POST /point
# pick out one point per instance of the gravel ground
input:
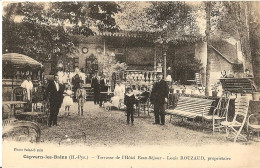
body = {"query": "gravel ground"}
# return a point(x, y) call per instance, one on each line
point(100, 128)
point(108, 128)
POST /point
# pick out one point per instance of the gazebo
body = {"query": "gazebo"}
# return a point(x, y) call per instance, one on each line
point(15, 68)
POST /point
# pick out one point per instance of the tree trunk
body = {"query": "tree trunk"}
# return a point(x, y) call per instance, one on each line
point(208, 68)
point(254, 30)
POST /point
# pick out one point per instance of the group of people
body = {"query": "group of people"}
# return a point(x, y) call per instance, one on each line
point(59, 93)
point(99, 85)
point(158, 97)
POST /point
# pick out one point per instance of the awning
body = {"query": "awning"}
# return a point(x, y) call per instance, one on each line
point(20, 61)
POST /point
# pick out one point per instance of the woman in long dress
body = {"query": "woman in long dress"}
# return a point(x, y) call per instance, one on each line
point(119, 94)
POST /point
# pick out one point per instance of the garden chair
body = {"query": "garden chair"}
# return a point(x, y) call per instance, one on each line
point(235, 127)
point(253, 124)
point(219, 113)
point(145, 105)
point(19, 94)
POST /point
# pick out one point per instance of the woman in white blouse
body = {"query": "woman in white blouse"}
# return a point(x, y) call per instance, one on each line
point(28, 85)
point(119, 94)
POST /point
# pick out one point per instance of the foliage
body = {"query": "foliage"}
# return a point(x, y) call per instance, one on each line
point(216, 86)
point(187, 64)
point(110, 65)
point(133, 16)
point(41, 30)
point(176, 18)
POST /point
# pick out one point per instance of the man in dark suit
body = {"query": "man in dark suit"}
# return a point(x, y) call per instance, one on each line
point(55, 94)
point(96, 87)
point(103, 88)
point(159, 97)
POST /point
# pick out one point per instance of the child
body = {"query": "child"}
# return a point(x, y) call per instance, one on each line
point(129, 102)
point(67, 100)
point(80, 96)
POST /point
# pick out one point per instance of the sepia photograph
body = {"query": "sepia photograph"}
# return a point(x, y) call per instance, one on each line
point(130, 84)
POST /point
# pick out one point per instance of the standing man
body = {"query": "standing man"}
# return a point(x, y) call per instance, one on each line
point(55, 94)
point(76, 84)
point(103, 88)
point(159, 98)
point(96, 88)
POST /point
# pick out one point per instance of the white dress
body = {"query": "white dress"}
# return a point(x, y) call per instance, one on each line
point(28, 85)
point(119, 94)
point(67, 100)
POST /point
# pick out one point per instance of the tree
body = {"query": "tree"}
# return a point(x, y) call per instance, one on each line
point(43, 29)
point(254, 34)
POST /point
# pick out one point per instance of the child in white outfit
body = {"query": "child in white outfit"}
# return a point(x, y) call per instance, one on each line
point(67, 100)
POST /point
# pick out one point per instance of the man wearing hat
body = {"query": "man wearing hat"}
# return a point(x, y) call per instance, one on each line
point(55, 94)
point(159, 97)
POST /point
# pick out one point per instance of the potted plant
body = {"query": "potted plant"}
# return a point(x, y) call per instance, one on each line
point(256, 93)
point(215, 89)
point(183, 89)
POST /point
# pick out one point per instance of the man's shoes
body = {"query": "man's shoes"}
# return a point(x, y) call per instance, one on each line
point(132, 123)
point(162, 124)
point(155, 123)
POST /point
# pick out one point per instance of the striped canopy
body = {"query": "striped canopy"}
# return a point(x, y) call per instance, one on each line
point(20, 61)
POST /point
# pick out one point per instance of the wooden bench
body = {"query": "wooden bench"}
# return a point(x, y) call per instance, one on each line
point(238, 85)
point(190, 107)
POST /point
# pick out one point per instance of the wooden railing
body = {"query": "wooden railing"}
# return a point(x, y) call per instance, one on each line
point(140, 77)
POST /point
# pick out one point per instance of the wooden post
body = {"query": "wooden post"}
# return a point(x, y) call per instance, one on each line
point(155, 58)
point(164, 66)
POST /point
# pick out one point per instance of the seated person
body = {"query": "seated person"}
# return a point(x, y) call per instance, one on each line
point(143, 97)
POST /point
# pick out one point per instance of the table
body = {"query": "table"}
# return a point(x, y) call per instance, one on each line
point(12, 106)
point(108, 95)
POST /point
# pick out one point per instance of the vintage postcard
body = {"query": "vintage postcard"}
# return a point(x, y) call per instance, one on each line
point(130, 84)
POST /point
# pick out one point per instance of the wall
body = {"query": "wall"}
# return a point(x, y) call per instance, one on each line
point(218, 64)
point(94, 45)
point(125, 51)
point(201, 54)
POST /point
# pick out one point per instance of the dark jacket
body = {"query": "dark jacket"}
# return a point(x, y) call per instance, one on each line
point(95, 84)
point(103, 87)
point(129, 101)
point(160, 91)
point(76, 82)
point(55, 97)
point(144, 96)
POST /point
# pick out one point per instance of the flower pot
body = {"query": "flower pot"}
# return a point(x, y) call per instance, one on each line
point(256, 95)
point(214, 93)
point(171, 90)
point(183, 91)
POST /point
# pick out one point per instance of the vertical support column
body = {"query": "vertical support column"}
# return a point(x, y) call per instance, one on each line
point(104, 46)
point(164, 66)
point(155, 57)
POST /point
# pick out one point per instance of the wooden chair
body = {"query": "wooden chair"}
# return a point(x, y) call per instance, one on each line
point(19, 94)
point(235, 127)
point(253, 124)
point(145, 105)
point(219, 113)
